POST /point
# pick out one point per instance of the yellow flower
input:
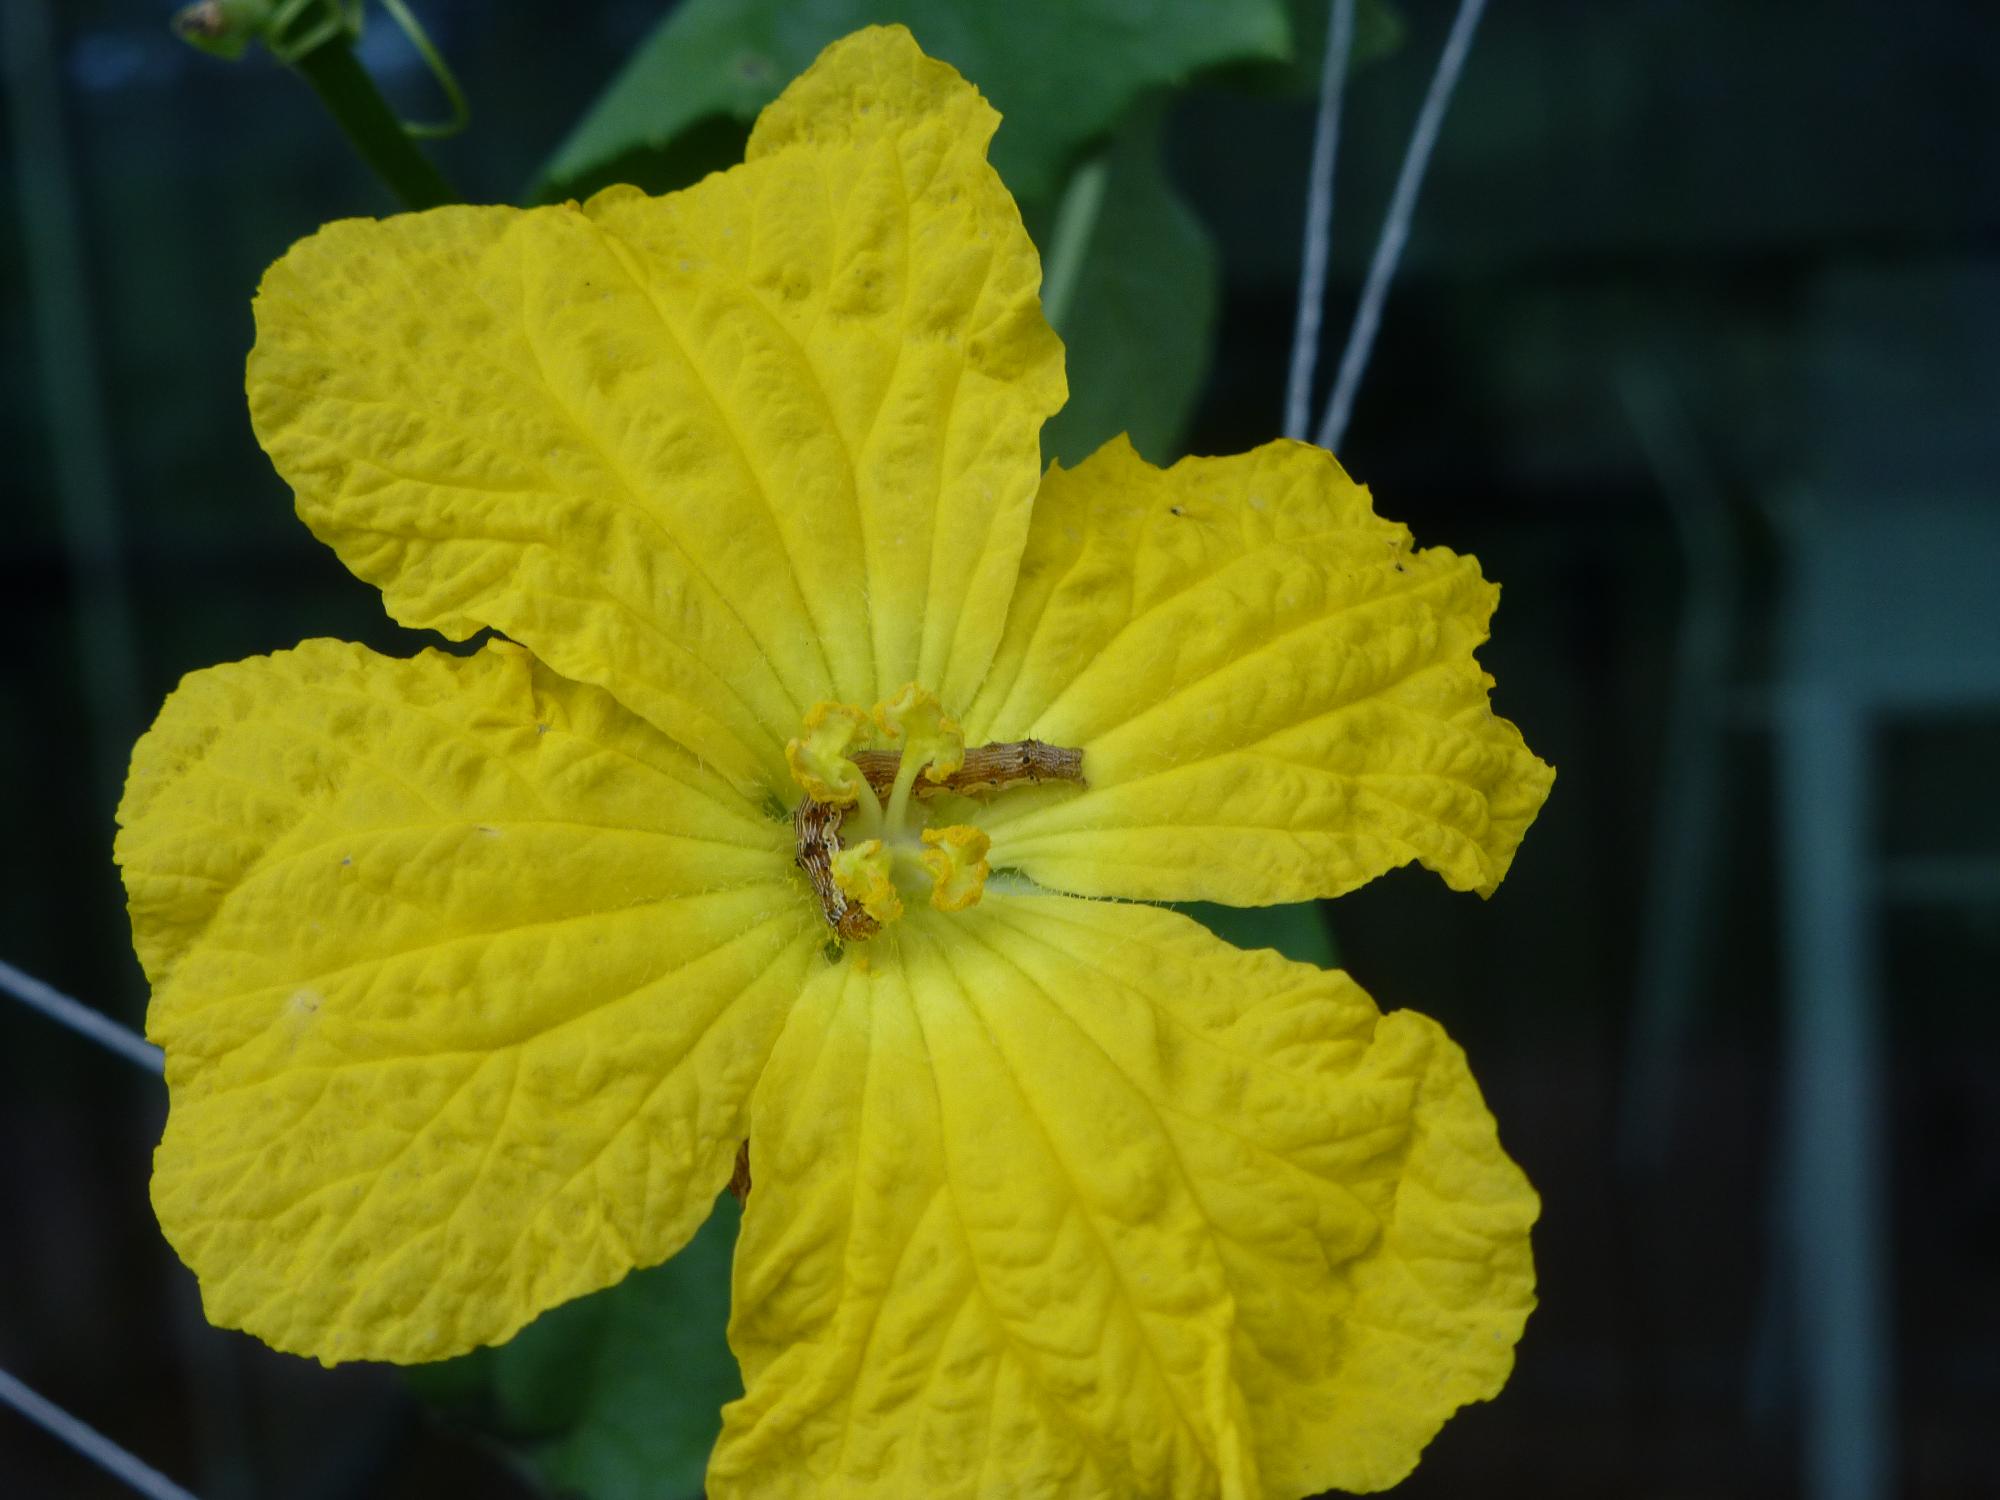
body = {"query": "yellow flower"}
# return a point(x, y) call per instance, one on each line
point(475, 971)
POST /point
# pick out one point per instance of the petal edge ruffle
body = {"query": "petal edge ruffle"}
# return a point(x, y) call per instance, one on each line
point(1276, 697)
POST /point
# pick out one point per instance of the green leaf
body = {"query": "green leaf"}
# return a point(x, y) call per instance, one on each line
point(617, 1396)
point(1299, 932)
point(1140, 323)
point(1061, 71)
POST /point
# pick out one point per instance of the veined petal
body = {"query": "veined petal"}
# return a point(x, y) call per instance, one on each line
point(464, 975)
point(1070, 1199)
point(1275, 696)
point(726, 453)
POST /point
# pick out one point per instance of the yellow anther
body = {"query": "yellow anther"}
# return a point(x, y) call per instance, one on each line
point(863, 874)
point(928, 737)
point(819, 759)
point(956, 859)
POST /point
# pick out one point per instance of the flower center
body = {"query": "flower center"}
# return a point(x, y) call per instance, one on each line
point(865, 839)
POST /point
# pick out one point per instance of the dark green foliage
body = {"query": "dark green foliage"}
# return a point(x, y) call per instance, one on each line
point(1140, 324)
point(617, 1396)
point(1062, 72)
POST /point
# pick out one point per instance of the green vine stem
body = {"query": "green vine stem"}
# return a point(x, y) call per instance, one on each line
point(358, 107)
point(317, 37)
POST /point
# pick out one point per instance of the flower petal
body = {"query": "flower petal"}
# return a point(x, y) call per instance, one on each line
point(1068, 1198)
point(1275, 696)
point(464, 975)
point(726, 453)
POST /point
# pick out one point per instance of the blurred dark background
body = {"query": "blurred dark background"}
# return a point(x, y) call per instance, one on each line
point(1697, 346)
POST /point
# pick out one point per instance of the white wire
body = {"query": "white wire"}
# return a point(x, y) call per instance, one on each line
point(1396, 227)
point(80, 1018)
point(1319, 219)
point(88, 1441)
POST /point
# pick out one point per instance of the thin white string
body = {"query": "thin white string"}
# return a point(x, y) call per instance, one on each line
point(80, 1018)
point(1396, 227)
point(1319, 219)
point(88, 1441)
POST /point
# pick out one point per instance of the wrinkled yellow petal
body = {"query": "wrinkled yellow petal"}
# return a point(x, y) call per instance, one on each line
point(1069, 1199)
point(1275, 696)
point(464, 975)
point(725, 453)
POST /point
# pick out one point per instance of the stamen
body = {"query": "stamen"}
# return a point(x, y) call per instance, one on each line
point(858, 825)
point(821, 760)
point(867, 816)
point(933, 745)
point(956, 859)
point(865, 874)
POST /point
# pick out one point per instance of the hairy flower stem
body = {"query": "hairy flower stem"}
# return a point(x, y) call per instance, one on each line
point(351, 97)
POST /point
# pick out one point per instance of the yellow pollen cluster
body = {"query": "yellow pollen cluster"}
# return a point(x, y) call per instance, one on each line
point(956, 859)
point(930, 738)
point(865, 873)
point(819, 758)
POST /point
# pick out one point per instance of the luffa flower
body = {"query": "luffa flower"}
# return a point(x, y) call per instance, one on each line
point(775, 817)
